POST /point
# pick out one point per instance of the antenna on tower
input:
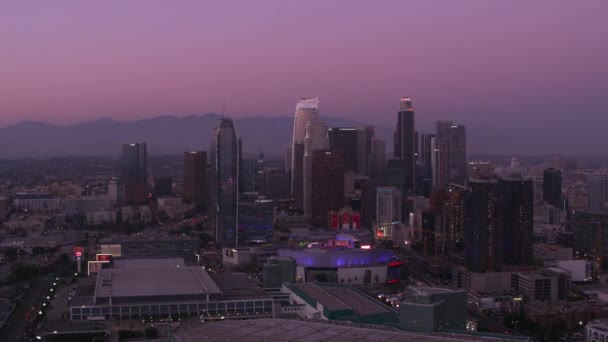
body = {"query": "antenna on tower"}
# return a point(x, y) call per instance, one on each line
point(224, 108)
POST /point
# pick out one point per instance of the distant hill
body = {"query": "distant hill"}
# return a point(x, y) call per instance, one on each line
point(173, 135)
point(164, 135)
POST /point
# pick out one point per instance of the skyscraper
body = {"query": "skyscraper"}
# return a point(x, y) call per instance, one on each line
point(598, 191)
point(483, 249)
point(135, 171)
point(328, 185)
point(195, 178)
point(405, 142)
point(345, 140)
point(365, 135)
point(516, 215)
point(225, 163)
point(316, 139)
point(389, 205)
point(378, 158)
point(454, 211)
point(440, 162)
point(552, 187)
point(307, 109)
point(456, 137)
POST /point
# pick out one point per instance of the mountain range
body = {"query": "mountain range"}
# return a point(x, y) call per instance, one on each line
point(169, 134)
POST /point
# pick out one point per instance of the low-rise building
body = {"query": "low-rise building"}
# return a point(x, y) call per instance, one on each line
point(430, 309)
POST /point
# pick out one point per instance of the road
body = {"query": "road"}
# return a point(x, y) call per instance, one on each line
point(18, 325)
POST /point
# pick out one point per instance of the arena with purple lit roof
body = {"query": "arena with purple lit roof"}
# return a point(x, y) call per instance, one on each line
point(341, 265)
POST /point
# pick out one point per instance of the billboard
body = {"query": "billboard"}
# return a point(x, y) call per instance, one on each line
point(356, 221)
point(78, 252)
point(334, 221)
point(104, 257)
point(346, 220)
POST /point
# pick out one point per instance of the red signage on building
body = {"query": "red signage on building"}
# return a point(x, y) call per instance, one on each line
point(356, 221)
point(345, 220)
point(334, 221)
point(78, 251)
point(104, 257)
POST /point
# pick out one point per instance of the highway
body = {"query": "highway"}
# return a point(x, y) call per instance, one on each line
point(19, 323)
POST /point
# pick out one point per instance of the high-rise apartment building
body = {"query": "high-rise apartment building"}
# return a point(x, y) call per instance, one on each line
point(454, 211)
point(405, 143)
point(440, 162)
point(195, 178)
point(483, 249)
point(225, 161)
point(307, 110)
point(456, 137)
point(516, 216)
point(345, 140)
point(552, 187)
point(135, 172)
point(389, 205)
point(328, 184)
point(316, 139)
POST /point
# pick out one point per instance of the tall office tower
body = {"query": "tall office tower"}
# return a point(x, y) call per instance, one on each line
point(195, 178)
point(516, 215)
point(135, 172)
point(389, 205)
point(345, 140)
point(306, 110)
point(454, 211)
point(440, 162)
point(248, 178)
point(365, 135)
point(378, 158)
point(590, 235)
point(225, 164)
point(457, 140)
point(328, 185)
point(483, 249)
point(598, 191)
point(405, 142)
point(552, 187)
point(316, 139)
point(424, 148)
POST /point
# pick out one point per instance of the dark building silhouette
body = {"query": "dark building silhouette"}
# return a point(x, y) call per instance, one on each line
point(327, 184)
point(405, 143)
point(516, 217)
point(456, 138)
point(365, 135)
point(483, 249)
point(225, 159)
point(276, 184)
point(135, 172)
point(163, 186)
point(378, 158)
point(552, 187)
point(590, 235)
point(195, 178)
point(345, 140)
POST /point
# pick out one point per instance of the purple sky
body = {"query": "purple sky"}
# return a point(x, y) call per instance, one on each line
point(482, 62)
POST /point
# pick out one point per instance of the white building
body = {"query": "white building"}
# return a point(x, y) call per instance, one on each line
point(596, 331)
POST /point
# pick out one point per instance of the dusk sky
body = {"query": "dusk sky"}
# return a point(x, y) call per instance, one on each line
point(501, 63)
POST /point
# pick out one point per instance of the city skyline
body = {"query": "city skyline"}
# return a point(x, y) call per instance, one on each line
point(483, 63)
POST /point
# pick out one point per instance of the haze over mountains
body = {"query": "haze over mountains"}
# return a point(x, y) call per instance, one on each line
point(173, 135)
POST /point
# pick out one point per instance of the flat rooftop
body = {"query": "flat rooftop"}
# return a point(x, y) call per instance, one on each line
point(165, 281)
point(321, 296)
point(148, 263)
point(360, 304)
point(292, 330)
point(238, 286)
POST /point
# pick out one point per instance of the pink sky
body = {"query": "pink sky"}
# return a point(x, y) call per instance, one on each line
point(487, 61)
